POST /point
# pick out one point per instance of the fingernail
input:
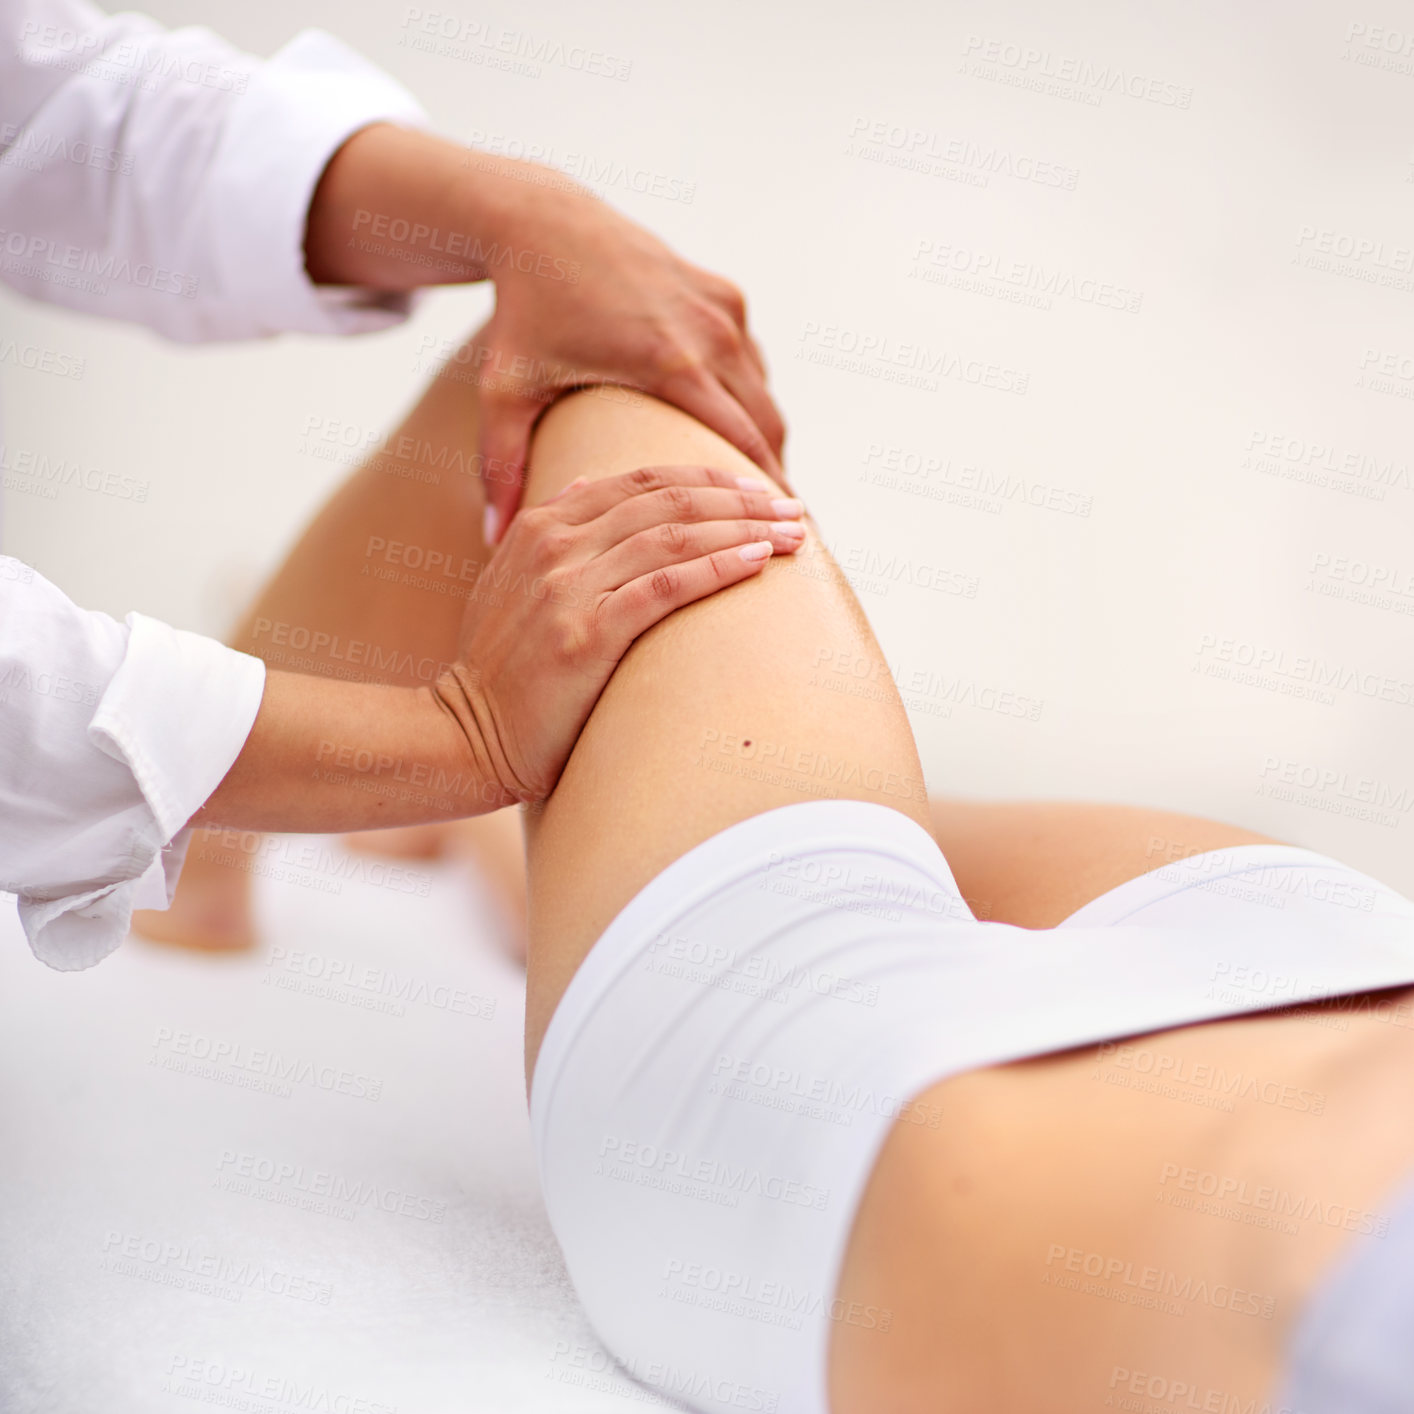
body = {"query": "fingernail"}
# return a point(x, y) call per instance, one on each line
point(758, 550)
point(751, 483)
point(787, 507)
point(565, 490)
point(488, 525)
point(791, 529)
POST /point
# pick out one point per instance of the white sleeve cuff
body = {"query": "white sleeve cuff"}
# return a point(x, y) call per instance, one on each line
point(301, 107)
point(176, 714)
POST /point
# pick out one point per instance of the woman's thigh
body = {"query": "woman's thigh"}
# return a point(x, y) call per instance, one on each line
point(713, 717)
point(1034, 863)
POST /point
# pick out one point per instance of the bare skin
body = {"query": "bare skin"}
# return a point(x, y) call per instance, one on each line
point(386, 591)
point(1047, 1168)
point(332, 583)
point(968, 1235)
point(582, 294)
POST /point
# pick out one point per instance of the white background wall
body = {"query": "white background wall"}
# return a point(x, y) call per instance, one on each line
point(1290, 119)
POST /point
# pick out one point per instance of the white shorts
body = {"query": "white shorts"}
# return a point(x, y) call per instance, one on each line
point(723, 1069)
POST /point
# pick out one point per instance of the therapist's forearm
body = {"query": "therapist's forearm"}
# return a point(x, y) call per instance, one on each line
point(325, 755)
point(397, 208)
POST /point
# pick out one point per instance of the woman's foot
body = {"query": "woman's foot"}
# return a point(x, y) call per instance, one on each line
point(211, 910)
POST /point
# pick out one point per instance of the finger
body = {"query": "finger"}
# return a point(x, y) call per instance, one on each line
point(757, 357)
point(747, 384)
point(594, 499)
point(674, 543)
point(638, 605)
point(701, 393)
point(685, 506)
point(504, 444)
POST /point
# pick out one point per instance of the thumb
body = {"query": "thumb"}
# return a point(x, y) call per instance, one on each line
point(503, 448)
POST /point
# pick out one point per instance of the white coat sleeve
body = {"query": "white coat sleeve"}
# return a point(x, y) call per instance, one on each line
point(164, 177)
point(111, 737)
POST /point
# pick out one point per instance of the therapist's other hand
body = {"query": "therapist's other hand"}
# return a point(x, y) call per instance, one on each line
point(573, 583)
point(583, 295)
point(603, 301)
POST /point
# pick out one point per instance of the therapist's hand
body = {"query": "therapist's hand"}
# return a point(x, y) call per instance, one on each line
point(570, 587)
point(583, 295)
point(627, 311)
point(572, 584)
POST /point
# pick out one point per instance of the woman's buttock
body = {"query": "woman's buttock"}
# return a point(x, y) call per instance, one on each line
point(786, 1001)
point(1146, 1214)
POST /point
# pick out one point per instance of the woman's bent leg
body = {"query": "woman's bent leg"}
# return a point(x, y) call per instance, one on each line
point(713, 717)
point(1034, 863)
point(373, 590)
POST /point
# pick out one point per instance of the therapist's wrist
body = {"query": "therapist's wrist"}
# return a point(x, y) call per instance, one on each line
point(508, 199)
point(328, 756)
point(396, 209)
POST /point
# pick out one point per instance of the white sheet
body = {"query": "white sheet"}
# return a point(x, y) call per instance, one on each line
point(120, 1176)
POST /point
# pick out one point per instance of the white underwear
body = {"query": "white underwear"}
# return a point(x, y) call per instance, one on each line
point(723, 1069)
